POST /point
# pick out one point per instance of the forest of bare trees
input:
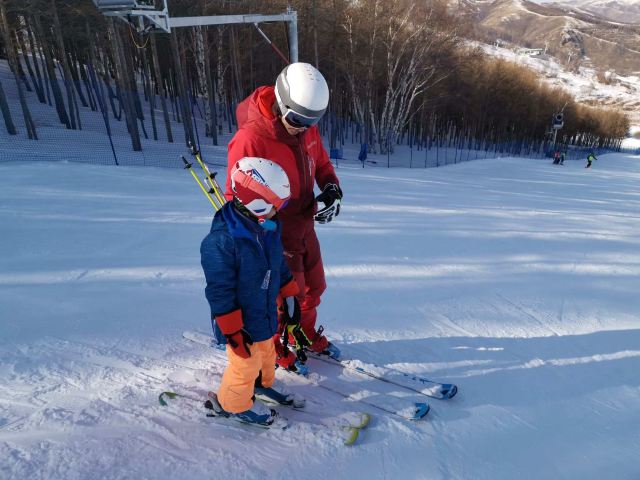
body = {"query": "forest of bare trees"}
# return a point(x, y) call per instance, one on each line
point(399, 70)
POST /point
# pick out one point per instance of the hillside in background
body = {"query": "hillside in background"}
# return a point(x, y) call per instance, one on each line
point(623, 11)
point(586, 85)
point(596, 60)
point(576, 35)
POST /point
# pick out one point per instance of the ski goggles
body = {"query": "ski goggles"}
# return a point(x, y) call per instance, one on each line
point(268, 197)
point(297, 120)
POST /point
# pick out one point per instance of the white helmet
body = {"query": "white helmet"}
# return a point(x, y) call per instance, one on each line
point(302, 94)
point(260, 185)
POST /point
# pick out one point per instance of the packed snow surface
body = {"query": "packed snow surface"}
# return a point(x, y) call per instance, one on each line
point(516, 279)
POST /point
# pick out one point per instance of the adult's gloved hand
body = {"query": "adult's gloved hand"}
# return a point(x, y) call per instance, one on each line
point(328, 203)
point(290, 316)
point(239, 342)
point(290, 311)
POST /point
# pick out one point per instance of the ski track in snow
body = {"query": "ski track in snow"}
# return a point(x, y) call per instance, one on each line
point(512, 278)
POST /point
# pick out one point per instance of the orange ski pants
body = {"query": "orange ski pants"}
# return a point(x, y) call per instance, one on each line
point(236, 389)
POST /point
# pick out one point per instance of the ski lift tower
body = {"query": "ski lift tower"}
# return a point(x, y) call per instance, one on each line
point(149, 16)
point(558, 123)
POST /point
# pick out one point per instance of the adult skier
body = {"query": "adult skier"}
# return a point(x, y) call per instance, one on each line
point(245, 270)
point(279, 122)
point(590, 158)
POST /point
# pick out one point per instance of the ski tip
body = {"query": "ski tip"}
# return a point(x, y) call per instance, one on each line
point(352, 434)
point(163, 395)
point(449, 391)
point(364, 421)
point(420, 411)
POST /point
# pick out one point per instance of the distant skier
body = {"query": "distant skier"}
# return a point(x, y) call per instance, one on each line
point(556, 157)
point(562, 157)
point(279, 122)
point(590, 158)
point(245, 270)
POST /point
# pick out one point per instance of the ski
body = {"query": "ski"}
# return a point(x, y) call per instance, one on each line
point(392, 376)
point(349, 422)
point(165, 397)
point(413, 411)
point(347, 425)
point(401, 379)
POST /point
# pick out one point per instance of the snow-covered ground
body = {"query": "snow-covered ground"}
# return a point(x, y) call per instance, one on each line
point(516, 279)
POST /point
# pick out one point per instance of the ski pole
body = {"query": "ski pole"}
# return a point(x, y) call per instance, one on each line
point(188, 166)
point(211, 177)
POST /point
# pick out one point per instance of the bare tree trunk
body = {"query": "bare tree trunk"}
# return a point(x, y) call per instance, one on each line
point(220, 73)
point(75, 76)
point(315, 33)
point(127, 104)
point(20, 71)
point(182, 91)
point(87, 85)
point(6, 113)
point(150, 94)
point(37, 81)
point(41, 83)
point(62, 58)
point(235, 63)
point(61, 108)
point(161, 89)
point(13, 62)
point(37, 52)
point(204, 69)
point(213, 127)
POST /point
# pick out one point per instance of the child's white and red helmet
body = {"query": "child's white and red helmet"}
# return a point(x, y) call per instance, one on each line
point(260, 185)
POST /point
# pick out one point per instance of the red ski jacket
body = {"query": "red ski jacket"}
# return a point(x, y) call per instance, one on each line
point(303, 157)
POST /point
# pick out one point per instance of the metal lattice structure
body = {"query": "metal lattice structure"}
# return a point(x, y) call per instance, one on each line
point(142, 14)
point(153, 16)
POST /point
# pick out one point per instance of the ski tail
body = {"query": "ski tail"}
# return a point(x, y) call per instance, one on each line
point(421, 410)
point(408, 381)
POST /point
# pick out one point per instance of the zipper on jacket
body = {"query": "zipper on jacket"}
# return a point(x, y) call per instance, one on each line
point(305, 166)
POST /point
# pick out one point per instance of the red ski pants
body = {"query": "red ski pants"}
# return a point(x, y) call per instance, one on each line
point(305, 263)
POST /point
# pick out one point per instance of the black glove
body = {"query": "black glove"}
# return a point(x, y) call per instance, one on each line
point(290, 316)
point(239, 342)
point(328, 203)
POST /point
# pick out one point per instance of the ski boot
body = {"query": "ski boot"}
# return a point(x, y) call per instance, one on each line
point(322, 346)
point(279, 394)
point(259, 414)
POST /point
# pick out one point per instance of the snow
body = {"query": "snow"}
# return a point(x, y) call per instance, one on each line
point(513, 278)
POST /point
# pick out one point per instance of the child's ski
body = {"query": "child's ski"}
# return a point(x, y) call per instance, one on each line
point(412, 411)
point(407, 381)
point(347, 425)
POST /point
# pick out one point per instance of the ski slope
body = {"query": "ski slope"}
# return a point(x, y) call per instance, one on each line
point(513, 278)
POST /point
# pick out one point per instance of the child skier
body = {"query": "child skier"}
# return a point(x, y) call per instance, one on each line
point(243, 262)
point(590, 158)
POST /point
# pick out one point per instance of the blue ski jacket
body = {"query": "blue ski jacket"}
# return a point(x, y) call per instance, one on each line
point(245, 269)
